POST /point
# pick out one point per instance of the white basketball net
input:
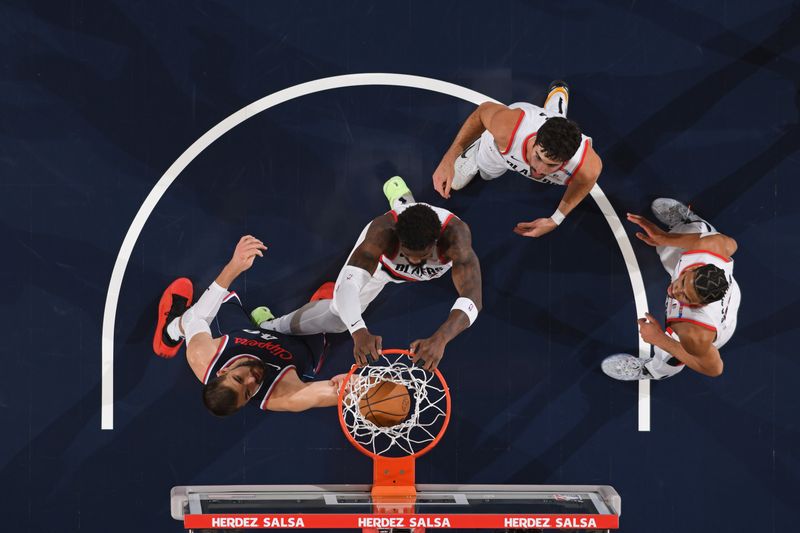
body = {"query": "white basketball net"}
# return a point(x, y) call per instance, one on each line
point(426, 416)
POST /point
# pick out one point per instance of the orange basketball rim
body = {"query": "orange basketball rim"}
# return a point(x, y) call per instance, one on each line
point(393, 489)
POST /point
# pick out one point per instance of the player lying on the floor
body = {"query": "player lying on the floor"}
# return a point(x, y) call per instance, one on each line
point(242, 363)
point(412, 242)
point(538, 142)
point(702, 299)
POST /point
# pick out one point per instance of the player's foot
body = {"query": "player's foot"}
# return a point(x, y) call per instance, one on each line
point(466, 167)
point(672, 212)
point(397, 192)
point(260, 315)
point(174, 302)
point(325, 292)
point(557, 97)
point(625, 367)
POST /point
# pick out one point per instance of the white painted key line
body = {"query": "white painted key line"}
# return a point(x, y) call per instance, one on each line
point(290, 93)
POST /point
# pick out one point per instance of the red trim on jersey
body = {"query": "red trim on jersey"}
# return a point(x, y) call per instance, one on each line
point(446, 222)
point(690, 321)
point(230, 295)
point(690, 252)
point(580, 163)
point(394, 215)
point(282, 373)
point(524, 151)
point(222, 343)
point(514, 133)
point(394, 272)
point(684, 269)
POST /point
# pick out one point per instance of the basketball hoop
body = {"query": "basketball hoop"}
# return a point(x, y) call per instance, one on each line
point(395, 448)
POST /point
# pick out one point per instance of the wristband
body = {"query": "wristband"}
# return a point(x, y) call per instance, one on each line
point(468, 307)
point(557, 217)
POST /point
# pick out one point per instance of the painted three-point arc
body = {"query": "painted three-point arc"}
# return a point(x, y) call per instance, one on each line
point(285, 95)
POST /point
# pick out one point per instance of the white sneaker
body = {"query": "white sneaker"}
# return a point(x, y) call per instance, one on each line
point(625, 367)
point(672, 212)
point(466, 167)
point(557, 98)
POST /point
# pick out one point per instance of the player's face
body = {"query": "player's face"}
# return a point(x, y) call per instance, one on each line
point(417, 257)
point(244, 378)
point(541, 165)
point(682, 289)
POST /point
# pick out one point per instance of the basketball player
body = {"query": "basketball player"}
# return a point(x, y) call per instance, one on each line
point(702, 299)
point(412, 242)
point(245, 364)
point(539, 143)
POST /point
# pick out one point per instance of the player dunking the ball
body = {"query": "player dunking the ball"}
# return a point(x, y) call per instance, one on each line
point(412, 242)
point(241, 363)
point(702, 298)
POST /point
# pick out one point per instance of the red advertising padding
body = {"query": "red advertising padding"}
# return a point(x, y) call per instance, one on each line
point(440, 521)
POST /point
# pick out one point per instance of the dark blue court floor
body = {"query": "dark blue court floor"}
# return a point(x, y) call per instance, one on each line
point(693, 100)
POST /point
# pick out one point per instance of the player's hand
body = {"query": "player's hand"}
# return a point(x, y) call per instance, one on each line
point(653, 235)
point(245, 253)
point(366, 347)
point(443, 177)
point(427, 352)
point(650, 330)
point(337, 381)
point(537, 228)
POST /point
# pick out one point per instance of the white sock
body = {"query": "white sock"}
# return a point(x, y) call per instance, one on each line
point(174, 330)
point(406, 199)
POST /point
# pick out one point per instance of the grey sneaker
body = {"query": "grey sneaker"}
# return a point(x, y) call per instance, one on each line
point(625, 367)
point(672, 212)
point(466, 166)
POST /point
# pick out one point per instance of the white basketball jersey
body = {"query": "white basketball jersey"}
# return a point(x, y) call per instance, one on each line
point(494, 160)
point(397, 269)
point(719, 316)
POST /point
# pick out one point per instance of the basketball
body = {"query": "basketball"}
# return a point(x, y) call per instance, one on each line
point(385, 404)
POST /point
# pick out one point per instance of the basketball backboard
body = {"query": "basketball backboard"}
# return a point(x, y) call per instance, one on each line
point(498, 507)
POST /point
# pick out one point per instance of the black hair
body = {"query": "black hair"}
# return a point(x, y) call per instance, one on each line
point(418, 227)
point(560, 138)
point(710, 283)
point(219, 399)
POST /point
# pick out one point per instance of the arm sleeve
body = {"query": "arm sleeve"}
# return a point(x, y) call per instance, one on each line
point(346, 296)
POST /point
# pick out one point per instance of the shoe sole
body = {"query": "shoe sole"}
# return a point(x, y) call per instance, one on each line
point(401, 190)
point(182, 287)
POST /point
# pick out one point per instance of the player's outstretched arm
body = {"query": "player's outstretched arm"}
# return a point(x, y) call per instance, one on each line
point(467, 280)
point(244, 254)
point(578, 188)
point(293, 395)
point(655, 236)
point(496, 118)
point(695, 348)
point(194, 323)
point(353, 277)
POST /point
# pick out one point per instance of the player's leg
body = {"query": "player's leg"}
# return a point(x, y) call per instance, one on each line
point(557, 98)
point(663, 365)
point(313, 317)
point(679, 218)
point(626, 367)
point(466, 166)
